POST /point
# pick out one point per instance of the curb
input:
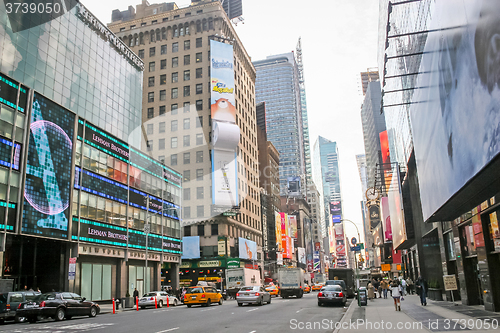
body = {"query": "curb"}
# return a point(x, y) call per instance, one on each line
point(344, 317)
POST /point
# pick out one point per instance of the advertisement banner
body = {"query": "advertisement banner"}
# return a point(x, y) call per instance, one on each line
point(190, 247)
point(279, 258)
point(293, 186)
point(48, 171)
point(458, 74)
point(288, 247)
point(336, 219)
point(374, 215)
point(339, 231)
point(397, 220)
point(335, 207)
point(331, 239)
point(247, 248)
point(222, 82)
point(341, 252)
point(233, 263)
point(317, 266)
point(317, 246)
point(293, 226)
point(278, 230)
point(386, 217)
point(301, 255)
point(221, 246)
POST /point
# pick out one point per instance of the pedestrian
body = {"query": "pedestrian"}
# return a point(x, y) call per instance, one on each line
point(403, 286)
point(135, 295)
point(396, 295)
point(409, 283)
point(371, 292)
point(385, 288)
point(423, 288)
point(183, 293)
point(379, 289)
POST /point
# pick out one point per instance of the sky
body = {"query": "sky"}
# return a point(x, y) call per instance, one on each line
point(339, 40)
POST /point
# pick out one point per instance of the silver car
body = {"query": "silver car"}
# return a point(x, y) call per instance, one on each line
point(161, 299)
point(253, 294)
point(332, 294)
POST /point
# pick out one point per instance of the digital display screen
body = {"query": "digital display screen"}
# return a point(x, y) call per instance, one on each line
point(5, 151)
point(48, 171)
point(105, 141)
point(102, 186)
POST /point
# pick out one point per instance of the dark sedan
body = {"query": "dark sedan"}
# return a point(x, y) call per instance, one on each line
point(57, 305)
point(331, 294)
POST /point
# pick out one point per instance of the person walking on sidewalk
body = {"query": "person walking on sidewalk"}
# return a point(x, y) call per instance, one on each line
point(409, 286)
point(135, 295)
point(403, 286)
point(385, 287)
point(396, 295)
point(422, 288)
point(371, 292)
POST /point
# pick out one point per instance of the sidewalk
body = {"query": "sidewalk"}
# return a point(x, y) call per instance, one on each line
point(380, 316)
point(108, 308)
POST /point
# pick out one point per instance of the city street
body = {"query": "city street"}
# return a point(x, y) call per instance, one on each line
point(282, 315)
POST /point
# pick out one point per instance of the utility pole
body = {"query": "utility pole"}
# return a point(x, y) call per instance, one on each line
point(146, 232)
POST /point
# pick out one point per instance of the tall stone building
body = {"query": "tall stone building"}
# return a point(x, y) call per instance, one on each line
point(175, 45)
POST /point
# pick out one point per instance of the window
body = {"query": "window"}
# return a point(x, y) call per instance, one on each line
point(176, 30)
point(163, 95)
point(199, 174)
point(187, 158)
point(154, 21)
point(200, 211)
point(161, 158)
point(162, 110)
point(199, 106)
point(173, 159)
point(173, 142)
point(214, 228)
point(199, 155)
point(199, 193)
point(151, 113)
point(187, 91)
point(152, 51)
point(199, 73)
point(152, 36)
point(161, 144)
point(149, 129)
point(151, 97)
point(186, 175)
point(163, 79)
point(163, 64)
point(122, 29)
point(199, 141)
point(187, 230)
point(199, 57)
point(199, 42)
point(151, 81)
point(161, 127)
point(201, 230)
point(175, 93)
point(187, 75)
point(186, 194)
point(163, 49)
point(175, 62)
point(186, 107)
point(173, 125)
point(175, 77)
point(165, 19)
point(199, 88)
point(152, 66)
point(181, 31)
point(186, 140)
point(187, 123)
point(175, 47)
point(187, 44)
point(132, 27)
point(141, 54)
point(173, 108)
point(149, 145)
point(187, 212)
point(187, 59)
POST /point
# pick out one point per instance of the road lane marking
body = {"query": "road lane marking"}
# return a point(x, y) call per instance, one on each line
point(169, 330)
point(253, 331)
point(252, 310)
point(299, 310)
point(207, 309)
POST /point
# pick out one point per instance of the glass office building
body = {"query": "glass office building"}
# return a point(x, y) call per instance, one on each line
point(80, 207)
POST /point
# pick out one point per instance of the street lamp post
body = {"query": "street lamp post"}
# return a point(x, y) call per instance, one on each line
point(146, 232)
point(355, 263)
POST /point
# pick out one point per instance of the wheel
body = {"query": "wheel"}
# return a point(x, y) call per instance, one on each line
point(209, 302)
point(160, 304)
point(60, 313)
point(188, 305)
point(93, 312)
point(175, 302)
point(269, 300)
point(261, 301)
point(17, 319)
point(240, 304)
point(32, 319)
point(220, 301)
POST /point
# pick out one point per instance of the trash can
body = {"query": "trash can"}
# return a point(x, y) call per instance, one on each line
point(363, 296)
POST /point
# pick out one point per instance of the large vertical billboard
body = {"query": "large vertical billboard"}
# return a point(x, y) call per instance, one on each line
point(293, 226)
point(278, 230)
point(386, 218)
point(455, 110)
point(395, 201)
point(225, 132)
point(48, 171)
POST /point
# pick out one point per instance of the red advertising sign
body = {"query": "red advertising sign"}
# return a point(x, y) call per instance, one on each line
point(340, 250)
point(317, 246)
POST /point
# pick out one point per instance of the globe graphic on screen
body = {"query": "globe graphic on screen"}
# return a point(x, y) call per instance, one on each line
point(54, 148)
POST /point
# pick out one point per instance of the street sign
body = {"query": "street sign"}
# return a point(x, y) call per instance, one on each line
point(362, 245)
point(354, 241)
point(147, 228)
point(72, 269)
point(385, 267)
point(450, 282)
point(355, 248)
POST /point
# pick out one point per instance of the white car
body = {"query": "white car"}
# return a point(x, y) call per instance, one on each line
point(161, 299)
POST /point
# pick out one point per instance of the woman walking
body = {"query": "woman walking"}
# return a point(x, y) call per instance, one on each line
point(396, 295)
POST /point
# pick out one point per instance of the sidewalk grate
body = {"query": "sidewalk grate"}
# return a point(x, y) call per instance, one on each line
point(359, 314)
point(429, 319)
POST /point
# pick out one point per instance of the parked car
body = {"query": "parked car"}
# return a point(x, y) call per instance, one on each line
point(332, 294)
point(337, 283)
point(316, 287)
point(203, 295)
point(9, 302)
point(307, 288)
point(273, 290)
point(253, 294)
point(161, 299)
point(57, 305)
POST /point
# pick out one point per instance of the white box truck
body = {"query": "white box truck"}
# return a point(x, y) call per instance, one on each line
point(239, 277)
point(291, 282)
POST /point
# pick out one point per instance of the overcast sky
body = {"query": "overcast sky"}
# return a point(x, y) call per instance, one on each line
point(339, 40)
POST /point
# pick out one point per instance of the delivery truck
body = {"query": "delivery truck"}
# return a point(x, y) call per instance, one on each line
point(239, 277)
point(345, 274)
point(291, 282)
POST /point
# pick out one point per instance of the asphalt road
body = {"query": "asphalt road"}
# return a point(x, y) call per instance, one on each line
point(282, 315)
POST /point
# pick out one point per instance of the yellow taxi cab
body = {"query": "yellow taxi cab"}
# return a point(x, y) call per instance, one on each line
point(317, 286)
point(202, 295)
point(273, 290)
point(307, 288)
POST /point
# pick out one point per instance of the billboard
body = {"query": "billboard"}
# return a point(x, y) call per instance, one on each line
point(248, 249)
point(397, 222)
point(301, 255)
point(331, 239)
point(386, 217)
point(336, 219)
point(374, 215)
point(191, 247)
point(288, 247)
point(454, 113)
point(278, 230)
point(317, 266)
point(48, 170)
point(225, 132)
point(341, 249)
point(293, 226)
point(293, 185)
point(339, 231)
point(335, 207)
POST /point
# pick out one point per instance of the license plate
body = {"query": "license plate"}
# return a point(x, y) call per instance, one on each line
point(193, 297)
point(330, 296)
point(246, 294)
point(27, 306)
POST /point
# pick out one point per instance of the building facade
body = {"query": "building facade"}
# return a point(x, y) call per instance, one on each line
point(75, 181)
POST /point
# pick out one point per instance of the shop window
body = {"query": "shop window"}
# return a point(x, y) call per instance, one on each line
point(201, 230)
point(96, 281)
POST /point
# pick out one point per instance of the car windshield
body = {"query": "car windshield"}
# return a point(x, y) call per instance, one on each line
point(331, 288)
point(249, 288)
point(194, 290)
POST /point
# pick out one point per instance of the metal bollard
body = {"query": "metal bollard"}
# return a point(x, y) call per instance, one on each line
point(137, 303)
point(113, 306)
point(156, 303)
point(167, 301)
